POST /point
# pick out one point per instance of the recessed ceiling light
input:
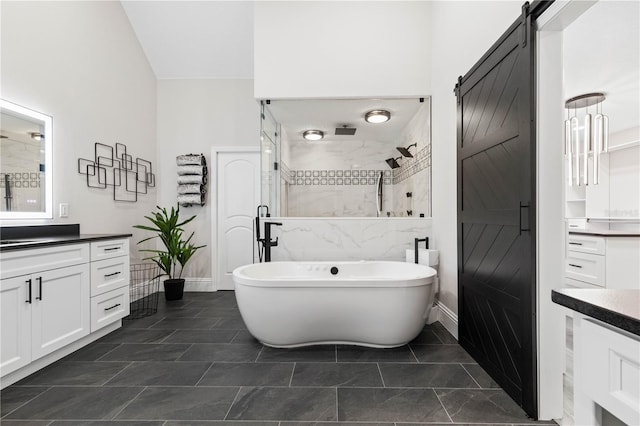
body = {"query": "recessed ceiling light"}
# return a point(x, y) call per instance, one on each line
point(313, 135)
point(377, 116)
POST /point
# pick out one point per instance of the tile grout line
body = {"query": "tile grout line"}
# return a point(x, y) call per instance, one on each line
point(292, 372)
point(204, 374)
point(472, 378)
point(163, 340)
point(442, 405)
point(337, 411)
point(118, 373)
point(259, 353)
point(414, 354)
point(380, 372)
point(232, 402)
point(128, 403)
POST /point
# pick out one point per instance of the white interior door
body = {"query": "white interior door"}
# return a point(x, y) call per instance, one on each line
point(238, 196)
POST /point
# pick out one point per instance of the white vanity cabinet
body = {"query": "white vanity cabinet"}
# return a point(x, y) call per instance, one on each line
point(109, 282)
point(46, 309)
point(58, 298)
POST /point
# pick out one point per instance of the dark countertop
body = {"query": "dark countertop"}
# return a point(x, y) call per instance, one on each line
point(620, 308)
point(30, 243)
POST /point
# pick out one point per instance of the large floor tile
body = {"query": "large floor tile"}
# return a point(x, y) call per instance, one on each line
point(91, 352)
point(225, 352)
point(427, 337)
point(248, 374)
point(364, 354)
point(302, 404)
point(146, 352)
point(441, 353)
point(186, 323)
point(442, 333)
point(230, 323)
point(390, 405)
point(180, 403)
point(136, 335)
point(243, 336)
point(220, 423)
point(426, 375)
point(25, 422)
point(144, 322)
point(480, 376)
point(334, 424)
point(76, 403)
point(219, 312)
point(75, 373)
point(108, 423)
point(320, 353)
point(492, 405)
point(201, 336)
point(336, 375)
point(160, 373)
point(15, 396)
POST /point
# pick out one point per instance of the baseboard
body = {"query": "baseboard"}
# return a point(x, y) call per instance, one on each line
point(446, 317)
point(196, 284)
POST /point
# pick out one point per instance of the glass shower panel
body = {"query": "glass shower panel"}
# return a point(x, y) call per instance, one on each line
point(270, 148)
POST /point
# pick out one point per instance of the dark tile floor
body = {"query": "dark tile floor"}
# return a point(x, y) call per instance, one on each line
point(194, 363)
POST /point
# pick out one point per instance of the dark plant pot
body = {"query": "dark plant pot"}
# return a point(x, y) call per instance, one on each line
point(173, 288)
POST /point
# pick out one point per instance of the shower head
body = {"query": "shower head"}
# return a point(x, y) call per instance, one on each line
point(405, 151)
point(393, 162)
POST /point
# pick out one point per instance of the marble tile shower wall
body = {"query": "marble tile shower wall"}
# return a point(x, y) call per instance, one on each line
point(347, 238)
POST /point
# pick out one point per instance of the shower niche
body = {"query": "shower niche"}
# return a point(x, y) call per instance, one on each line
point(350, 167)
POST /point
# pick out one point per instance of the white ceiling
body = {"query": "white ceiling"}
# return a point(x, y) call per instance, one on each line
point(195, 39)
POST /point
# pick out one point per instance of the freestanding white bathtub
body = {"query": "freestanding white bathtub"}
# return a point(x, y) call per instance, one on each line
point(369, 303)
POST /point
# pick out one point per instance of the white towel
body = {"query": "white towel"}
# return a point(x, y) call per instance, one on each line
point(192, 188)
point(191, 160)
point(185, 179)
point(192, 170)
point(186, 200)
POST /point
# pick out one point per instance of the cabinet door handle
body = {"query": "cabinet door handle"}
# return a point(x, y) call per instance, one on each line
point(112, 307)
point(112, 248)
point(575, 244)
point(29, 282)
point(575, 266)
point(39, 279)
point(111, 274)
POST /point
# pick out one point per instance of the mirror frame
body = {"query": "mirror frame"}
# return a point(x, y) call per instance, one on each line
point(48, 161)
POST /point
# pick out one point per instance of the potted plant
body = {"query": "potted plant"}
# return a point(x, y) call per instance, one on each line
point(177, 250)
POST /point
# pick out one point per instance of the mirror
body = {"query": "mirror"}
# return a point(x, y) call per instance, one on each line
point(355, 167)
point(26, 163)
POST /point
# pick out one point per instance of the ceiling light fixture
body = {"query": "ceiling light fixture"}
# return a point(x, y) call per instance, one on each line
point(377, 116)
point(313, 135)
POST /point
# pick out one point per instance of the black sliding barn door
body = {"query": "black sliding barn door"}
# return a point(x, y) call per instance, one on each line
point(496, 194)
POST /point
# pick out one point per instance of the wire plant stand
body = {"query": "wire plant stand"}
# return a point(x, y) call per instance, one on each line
point(143, 289)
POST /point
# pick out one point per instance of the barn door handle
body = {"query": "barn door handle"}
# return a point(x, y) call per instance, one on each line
point(520, 229)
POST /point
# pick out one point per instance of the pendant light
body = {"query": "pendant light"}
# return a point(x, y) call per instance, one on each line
point(594, 138)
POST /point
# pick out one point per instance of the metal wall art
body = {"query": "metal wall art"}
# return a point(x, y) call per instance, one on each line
point(115, 168)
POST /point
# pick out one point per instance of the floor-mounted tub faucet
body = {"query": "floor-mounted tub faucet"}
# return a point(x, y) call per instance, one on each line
point(267, 242)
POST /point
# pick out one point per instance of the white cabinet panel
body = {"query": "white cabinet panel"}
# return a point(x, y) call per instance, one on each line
point(109, 248)
point(15, 323)
point(109, 307)
point(623, 262)
point(29, 261)
point(60, 310)
point(585, 267)
point(109, 274)
point(586, 244)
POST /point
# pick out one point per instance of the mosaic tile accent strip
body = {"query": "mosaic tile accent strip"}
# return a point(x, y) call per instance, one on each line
point(411, 166)
point(21, 180)
point(338, 177)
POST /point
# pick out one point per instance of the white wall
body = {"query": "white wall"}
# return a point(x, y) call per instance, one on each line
point(193, 116)
point(462, 31)
point(341, 49)
point(81, 63)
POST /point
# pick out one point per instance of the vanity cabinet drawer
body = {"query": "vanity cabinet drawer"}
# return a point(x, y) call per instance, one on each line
point(109, 274)
point(108, 249)
point(109, 307)
point(585, 267)
point(28, 261)
point(586, 244)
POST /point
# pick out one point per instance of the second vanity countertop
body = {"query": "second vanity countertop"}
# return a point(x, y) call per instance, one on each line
point(31, 243)
point(619, 308)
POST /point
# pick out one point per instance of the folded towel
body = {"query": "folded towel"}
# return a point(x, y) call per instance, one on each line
point(192, 170)
point(191, 160)
point(191, 188)
point(199, 179)
point(186, 200)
